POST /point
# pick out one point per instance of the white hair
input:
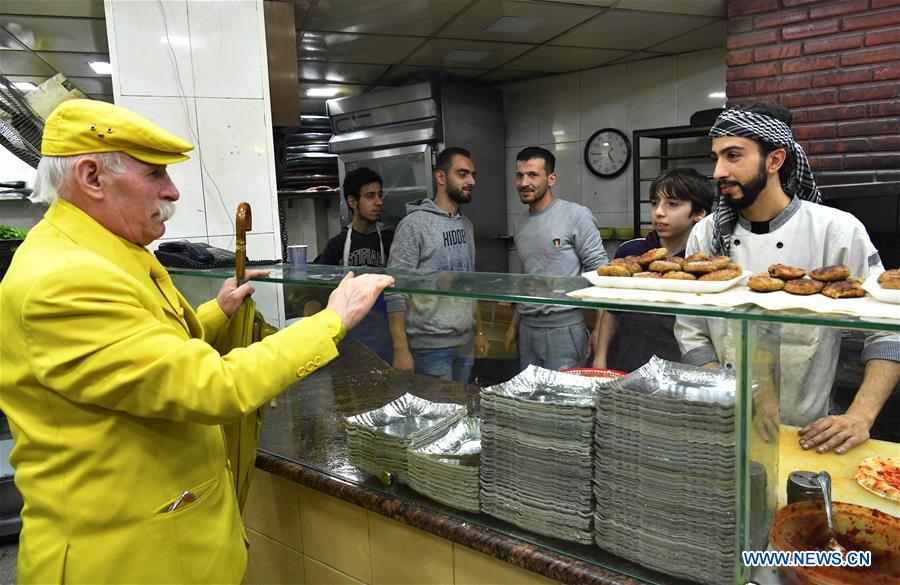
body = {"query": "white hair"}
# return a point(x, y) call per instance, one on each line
point(55, 172)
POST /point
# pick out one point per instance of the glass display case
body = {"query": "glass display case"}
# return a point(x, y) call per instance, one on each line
point(683, 473)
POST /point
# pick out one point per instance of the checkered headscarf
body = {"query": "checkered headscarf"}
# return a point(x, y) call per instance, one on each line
point(768, 130)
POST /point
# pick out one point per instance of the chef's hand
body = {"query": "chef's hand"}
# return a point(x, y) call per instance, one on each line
point(403, 361)
point(482, 346)
point(355, 295)
point(231, 295)
point(838, 432)
point(765, 416)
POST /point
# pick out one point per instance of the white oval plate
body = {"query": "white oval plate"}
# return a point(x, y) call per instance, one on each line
point(885, 295)
point(665, 284)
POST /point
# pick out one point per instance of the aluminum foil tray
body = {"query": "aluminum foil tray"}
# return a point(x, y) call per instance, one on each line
point(536, 384)
point(408, 416)
point(460, 446)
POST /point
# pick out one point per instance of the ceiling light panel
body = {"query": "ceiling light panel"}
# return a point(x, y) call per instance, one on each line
point(514, 24)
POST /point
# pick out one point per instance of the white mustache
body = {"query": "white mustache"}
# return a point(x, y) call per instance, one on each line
point(166, 210)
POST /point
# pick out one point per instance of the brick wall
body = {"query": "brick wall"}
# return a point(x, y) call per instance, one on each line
point(836, 65)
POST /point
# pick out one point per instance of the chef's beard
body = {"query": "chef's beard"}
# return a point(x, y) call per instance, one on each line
point(750, 192)
point(166, 211)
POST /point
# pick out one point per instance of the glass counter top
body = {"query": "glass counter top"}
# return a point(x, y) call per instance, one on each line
point(523, 288)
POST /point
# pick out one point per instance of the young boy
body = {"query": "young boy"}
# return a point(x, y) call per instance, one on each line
point(362, 243)
point(679, 198)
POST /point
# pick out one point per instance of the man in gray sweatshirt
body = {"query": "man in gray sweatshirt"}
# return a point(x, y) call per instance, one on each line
point(434, 335)
point(558, 238)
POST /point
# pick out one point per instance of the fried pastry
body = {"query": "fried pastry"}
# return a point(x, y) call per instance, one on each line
point(720, 262)
point(844, 289)
point(697, 257)
point(613, 270)
point(629, 262)
point(679, 275)
point(785, 272)
point(664, 266)
point(677, 259)
point(652, 256)
point(765, 283)
point(830, 273)
point(890, 279)
point(647, 275)
point(724, 274)
point(699, 267)
point(803, 286)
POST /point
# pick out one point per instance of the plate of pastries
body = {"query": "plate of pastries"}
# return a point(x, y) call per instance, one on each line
point(835, 281)
point(657, 270)
point(885, 286)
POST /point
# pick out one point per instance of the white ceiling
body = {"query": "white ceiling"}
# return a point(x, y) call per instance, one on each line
point(359, 44)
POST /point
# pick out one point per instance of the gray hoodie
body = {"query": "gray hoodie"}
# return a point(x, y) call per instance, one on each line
point(429, 238)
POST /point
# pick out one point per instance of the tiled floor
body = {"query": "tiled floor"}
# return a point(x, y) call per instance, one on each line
point(8, 553)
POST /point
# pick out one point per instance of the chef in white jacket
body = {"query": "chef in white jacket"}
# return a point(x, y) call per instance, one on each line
point(769, 212)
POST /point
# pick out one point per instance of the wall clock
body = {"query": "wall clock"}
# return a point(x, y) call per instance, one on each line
point(607, 153)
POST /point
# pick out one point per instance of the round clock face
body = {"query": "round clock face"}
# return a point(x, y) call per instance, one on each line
point(607, 153)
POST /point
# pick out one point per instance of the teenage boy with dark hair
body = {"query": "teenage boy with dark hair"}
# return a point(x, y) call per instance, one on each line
point(679, 198)
point(363, 242)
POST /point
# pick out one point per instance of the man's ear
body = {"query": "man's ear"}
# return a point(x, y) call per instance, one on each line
point(551, 179)
point(776, 160)
point(440, 177)
point(86, 175)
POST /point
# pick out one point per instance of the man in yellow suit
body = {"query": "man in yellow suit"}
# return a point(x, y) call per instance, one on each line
point(112, 389)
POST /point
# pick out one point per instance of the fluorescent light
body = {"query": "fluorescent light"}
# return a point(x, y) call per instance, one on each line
point(24, 85)
point(717, 94)
point(515, 24)
point(101, 67)
point(322, 91)
point(466, 56)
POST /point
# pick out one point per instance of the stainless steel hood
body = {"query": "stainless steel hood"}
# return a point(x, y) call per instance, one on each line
point(390, 118)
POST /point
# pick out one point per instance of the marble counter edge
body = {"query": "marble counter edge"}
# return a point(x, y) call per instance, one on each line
point(504, 548)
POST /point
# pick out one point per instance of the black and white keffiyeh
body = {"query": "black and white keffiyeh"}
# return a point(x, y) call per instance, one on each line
point(762, 128)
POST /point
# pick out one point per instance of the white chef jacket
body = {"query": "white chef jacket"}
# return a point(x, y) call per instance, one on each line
point(806, 235)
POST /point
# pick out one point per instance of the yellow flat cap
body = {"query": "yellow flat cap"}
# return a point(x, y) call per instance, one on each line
point(86, 126)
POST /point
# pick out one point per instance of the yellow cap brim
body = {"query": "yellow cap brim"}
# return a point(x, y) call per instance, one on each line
point(157, 157)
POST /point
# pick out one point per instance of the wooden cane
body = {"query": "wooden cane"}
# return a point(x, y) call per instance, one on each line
point(243, 224)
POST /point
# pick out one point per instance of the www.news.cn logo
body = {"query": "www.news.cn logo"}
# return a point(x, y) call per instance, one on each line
point(806, 558)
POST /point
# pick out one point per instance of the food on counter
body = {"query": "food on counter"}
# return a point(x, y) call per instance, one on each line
point(723, 274)
point(664, 266)
point(845, 289)
point(629, 262)
point(613, 270)
point(890, 279)
point(765, 283)
point(699, 267)
point(697, 257)
point(652, 256)
point(803, 286)
point(881, 476)
point(679, 275)
point(785, 272)
point(834, 273)
point(719, 268)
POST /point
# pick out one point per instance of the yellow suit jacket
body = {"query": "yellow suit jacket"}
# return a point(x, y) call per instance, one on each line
point(115, 398)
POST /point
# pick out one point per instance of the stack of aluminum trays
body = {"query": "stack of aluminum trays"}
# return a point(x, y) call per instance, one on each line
point(447, 469)
point(377, 441)
point(664, 470)
point(536, 438)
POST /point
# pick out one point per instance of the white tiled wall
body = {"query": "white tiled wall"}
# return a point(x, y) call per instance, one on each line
point(198, 68)
point(561, 113)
